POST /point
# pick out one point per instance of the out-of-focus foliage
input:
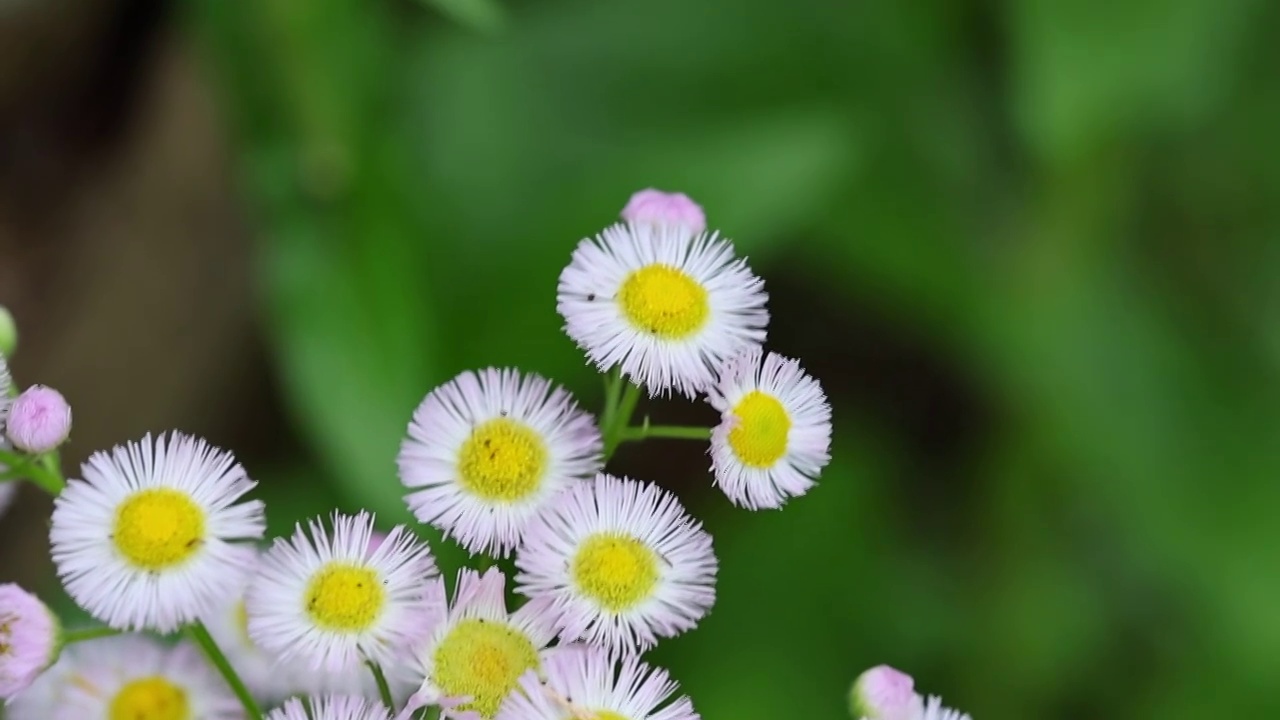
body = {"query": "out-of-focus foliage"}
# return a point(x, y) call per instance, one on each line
point(1071, 207)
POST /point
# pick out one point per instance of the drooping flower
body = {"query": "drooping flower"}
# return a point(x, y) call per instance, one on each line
point(146, 539)
point(591, 684)
point(477, 649)
point(486, 451)
point(622, 562)
point(774, 435)
point(29, 639)
point(128, 676)
point(655, 207)
point(39, 420)
point(663, 304)
point(328, 603)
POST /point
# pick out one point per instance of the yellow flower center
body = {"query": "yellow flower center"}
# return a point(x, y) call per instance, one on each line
point(760, 437)
point(664, 301)
point(150, 698)
point(346, 598)
point(503, 460)
point(608, 715)
point(614, 570)
point(483, 659)
point(158, 528)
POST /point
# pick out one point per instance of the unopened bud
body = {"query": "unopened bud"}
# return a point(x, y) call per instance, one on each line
point(883, 693)
point(8, 333)
point(661, 208)
point(39, 420)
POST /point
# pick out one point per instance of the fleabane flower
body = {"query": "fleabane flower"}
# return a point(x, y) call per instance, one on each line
point(266, 677)
point(656, 207)
point(883, 693)
point(39, 420)
point(325, 601)
point(774, 435)
point(29, 639)
point(477, 650)
point(486, 451)
point(128, 676)
point(935, 710)
point(330, 707)
point(146, 539)
point(592, 684)
point(664, 304)
point(622, 562)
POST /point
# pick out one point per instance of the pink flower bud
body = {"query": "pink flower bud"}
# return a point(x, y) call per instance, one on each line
point(39, 420)
point(29, 639)
point(883, 693)
point(659, 208)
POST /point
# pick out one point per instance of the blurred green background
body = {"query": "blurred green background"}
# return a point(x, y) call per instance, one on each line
point(1032, 251)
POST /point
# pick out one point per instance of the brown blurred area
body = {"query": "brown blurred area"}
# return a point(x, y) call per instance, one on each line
point(123, 255)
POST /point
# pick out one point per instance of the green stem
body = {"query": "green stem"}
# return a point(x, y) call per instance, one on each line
point(676, 432)
point(45, 474)
point(612, 390)
point(384, 689)
point(626, 408)
point(75, 636)
point(202, 637)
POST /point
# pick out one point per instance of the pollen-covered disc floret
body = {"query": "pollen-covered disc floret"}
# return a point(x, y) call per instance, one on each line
point(330, 707)
point(477, 650)
point(622, 562)
point(590, 683)
point(146, 539)
point(487, 450)
point(774, 435)
point(665, 305)
point(28, 639)
point(128, 677)
point(325, 601)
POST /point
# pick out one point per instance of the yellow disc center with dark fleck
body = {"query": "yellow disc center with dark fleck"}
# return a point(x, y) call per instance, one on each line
point(504, 460)
point(150, 698)
point(158, 528)
point(760, 437)
point(616, 571)
point(483, 660)
point(345, 598)
point(664, 301)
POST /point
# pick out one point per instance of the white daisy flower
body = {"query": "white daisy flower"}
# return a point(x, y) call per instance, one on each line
point(486, 451)
point(144, 541)
point(128, 676)
point(622, 562)
point(774, 435)
point(328, 602)
point(591, 685)
point(934, 710)
point(331, 707)
point(477, 650)
point(664, 304)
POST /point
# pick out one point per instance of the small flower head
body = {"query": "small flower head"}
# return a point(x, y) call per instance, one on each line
point(590, 684)
point(328, 603)
point(655, 207)
point(29, 640)
point(665, 305)
point(622, 562)
point(330, 707)
point(486, 451)
point(145, 540)
point(774, 435)
point(8, 334)
point(39, 420)
point(477, 649)
point(883, 693)
point(129, 676)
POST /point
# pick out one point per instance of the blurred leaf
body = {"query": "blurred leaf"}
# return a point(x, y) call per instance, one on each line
point(487, 16)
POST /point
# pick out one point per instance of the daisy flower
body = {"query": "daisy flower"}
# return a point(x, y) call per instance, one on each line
point(622, 562)
point(144, 541)
point(330, 707)
point(664, 304)
point(329, 603)
point(774, 435)
point(486, 451)
point(934, 710)
point(477, 650)
point(590, 685)
point(28, 639)
point(128, 676)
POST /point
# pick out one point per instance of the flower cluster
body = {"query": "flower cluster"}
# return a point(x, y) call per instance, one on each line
point(158, 537)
